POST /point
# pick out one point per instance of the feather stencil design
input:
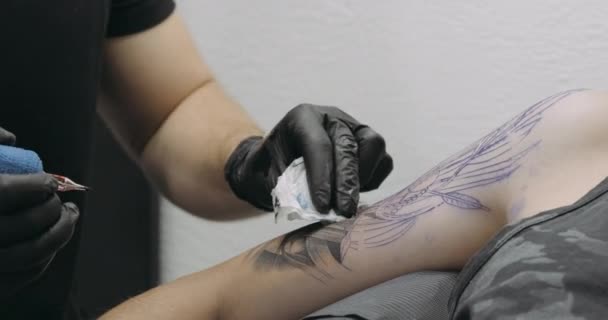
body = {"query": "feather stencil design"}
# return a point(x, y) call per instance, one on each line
point(490, 160)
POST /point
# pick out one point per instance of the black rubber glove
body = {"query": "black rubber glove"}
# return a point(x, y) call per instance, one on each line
point(341, 155)
point(34, 225)
point(6, 138)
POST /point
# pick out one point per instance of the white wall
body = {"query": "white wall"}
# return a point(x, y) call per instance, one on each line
point(446, 71)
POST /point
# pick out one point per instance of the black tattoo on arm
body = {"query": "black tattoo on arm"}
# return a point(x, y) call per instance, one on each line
point(318, 248)
point(313, 249)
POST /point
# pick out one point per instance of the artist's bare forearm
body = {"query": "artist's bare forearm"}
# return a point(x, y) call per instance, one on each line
point(186, 156)
point(169, 113)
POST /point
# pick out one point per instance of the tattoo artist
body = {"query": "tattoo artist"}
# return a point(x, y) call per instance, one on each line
point(196, 144)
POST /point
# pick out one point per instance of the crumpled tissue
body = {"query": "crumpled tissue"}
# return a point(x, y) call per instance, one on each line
point(291, 197)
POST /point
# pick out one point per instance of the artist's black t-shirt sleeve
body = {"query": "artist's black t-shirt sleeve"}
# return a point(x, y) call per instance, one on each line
point(132, 16)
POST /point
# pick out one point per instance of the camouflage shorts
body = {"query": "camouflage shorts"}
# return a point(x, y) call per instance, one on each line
point(550, 266)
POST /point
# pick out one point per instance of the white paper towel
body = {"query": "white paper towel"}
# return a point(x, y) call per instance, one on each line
point(291, 197)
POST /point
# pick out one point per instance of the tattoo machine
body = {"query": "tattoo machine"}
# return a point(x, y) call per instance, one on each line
point(20, 161)
point(291, 197)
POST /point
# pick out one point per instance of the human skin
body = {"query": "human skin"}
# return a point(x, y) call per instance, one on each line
point(548, 156)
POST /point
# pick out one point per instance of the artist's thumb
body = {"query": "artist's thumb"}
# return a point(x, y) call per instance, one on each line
point(6, 137)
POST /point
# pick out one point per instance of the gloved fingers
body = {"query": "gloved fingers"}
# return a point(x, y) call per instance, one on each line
point(30, 222)
point(6, 137)
point(372, 151)
point(316, 148)
point(335, 112)
point(12, 282)
point(346, 168)
point(20, 191)
point(35, 251)
point(382, 171)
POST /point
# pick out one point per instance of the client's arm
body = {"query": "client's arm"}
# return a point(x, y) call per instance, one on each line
point(437, 222)
point(298, 273)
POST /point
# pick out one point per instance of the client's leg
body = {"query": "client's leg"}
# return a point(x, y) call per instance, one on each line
point(437, 222)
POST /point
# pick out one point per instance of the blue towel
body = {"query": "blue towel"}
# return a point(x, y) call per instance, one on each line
point(19, 161)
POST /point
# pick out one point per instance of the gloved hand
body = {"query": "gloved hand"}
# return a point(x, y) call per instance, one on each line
point(34, 225)
point(6, 138)
point(341, 155)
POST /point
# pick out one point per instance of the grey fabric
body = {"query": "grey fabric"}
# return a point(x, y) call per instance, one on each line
point(551, 266)
point(421, 296)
